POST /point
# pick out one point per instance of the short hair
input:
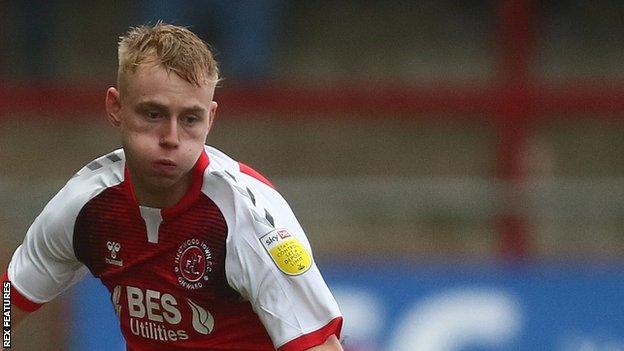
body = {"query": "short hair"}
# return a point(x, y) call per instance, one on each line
point(175, 48)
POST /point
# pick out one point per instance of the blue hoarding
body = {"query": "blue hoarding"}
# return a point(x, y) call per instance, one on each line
point(402, 306)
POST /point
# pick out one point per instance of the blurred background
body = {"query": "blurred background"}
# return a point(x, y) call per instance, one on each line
point(458, 165)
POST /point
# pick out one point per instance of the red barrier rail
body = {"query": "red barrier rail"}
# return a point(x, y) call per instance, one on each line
point(602, 100)
point(514, 103)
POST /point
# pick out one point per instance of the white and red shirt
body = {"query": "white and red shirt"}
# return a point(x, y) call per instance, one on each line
point(227, 268)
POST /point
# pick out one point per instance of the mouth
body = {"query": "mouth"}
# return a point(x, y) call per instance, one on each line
point(164, 165)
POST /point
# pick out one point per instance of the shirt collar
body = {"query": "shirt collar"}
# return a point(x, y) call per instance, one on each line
point(192, 194)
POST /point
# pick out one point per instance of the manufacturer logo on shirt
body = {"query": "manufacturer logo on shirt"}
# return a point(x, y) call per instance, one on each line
point(113, 248)
point(193, 263)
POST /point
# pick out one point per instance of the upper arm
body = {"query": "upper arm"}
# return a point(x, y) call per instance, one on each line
point(270, 263)
point(44, 265)
point(17, 315)
point(331, 344)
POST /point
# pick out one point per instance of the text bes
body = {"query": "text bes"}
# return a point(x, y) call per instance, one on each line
point(156, 306)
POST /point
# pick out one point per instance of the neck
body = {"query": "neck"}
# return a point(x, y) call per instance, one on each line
point(161, 197)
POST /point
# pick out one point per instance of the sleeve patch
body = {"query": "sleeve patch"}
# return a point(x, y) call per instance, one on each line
point(289, 255)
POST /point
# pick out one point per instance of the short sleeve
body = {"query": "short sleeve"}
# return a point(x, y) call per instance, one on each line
point(44, 265)
point(269, 262)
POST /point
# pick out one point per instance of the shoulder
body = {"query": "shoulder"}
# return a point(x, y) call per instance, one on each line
point(51, 233)
point(243, 194)
point(105, 171)
point(98, 175)
point(234, 172)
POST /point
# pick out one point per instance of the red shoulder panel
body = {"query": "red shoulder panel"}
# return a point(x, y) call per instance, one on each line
point(252, 172)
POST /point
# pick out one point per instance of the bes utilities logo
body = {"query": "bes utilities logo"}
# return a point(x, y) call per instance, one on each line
point(113, 248)
point(159, 315)
point(193, 262)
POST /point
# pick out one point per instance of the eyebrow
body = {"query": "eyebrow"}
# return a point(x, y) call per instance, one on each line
point(196, 109)
point(151, 104)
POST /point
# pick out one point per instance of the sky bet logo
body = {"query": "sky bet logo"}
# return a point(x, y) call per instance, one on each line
point(281, 234)
point(270, 240)
point(157, 316)
point(6, 314)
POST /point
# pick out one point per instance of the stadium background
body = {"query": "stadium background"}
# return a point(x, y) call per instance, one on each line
point(457, 164)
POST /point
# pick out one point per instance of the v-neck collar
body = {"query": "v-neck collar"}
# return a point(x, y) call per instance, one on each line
point(192, 194)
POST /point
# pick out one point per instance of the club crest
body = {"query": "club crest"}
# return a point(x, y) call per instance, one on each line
point(192, 264)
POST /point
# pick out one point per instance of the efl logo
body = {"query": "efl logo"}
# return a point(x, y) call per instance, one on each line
point(6, 313)
point(288, 253)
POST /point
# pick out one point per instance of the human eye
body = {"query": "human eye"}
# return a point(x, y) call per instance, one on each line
point(190, 119)
point(153, 115)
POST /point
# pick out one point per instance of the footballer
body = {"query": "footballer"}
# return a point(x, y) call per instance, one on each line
point(198, 251)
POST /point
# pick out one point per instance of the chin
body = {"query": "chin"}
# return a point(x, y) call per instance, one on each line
point(163, 182)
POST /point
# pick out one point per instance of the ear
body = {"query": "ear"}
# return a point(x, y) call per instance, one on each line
point(212, 114)
point(113, 106)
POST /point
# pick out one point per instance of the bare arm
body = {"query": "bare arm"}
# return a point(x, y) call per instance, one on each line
point(331, 344)
point(17, 316)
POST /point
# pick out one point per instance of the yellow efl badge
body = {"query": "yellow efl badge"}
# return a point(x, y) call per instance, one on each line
point(290, 256)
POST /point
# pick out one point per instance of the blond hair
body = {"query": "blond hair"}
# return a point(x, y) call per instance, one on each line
point(175, 48)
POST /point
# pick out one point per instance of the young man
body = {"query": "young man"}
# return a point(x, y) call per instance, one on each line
point(198, 250)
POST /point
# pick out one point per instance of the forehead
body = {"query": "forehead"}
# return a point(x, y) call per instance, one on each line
point(156, 83)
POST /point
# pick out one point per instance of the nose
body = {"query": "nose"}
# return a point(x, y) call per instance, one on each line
point(169, 136)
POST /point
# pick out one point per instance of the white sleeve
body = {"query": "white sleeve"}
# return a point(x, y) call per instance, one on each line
point(269, 262)
point(44, 265)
